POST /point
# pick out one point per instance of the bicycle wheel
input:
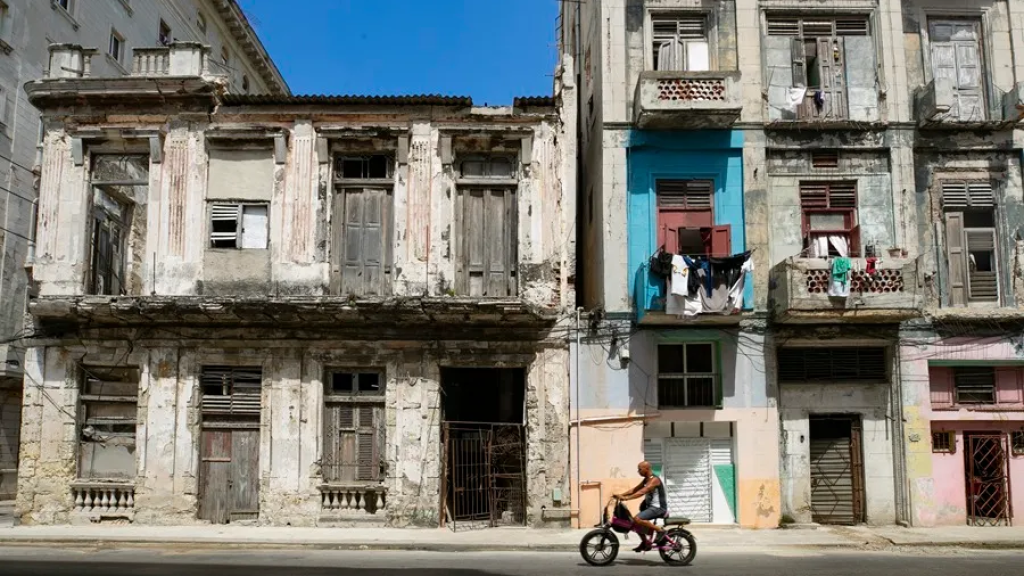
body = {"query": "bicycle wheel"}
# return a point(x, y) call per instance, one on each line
point(599, 547)
point(684, 548)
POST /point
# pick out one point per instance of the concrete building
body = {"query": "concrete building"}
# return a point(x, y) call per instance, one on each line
point(883, 134)
point(296, 310)
point(120, 30)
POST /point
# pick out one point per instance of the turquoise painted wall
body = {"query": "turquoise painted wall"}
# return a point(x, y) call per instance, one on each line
point(704, 154)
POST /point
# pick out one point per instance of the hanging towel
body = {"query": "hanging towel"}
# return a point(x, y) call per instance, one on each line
point(840, 285)
point(870, 268)
point(794, 98)
point(841, 269)
point(679, 280)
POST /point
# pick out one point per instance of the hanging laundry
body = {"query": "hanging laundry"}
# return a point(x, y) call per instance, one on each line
point(840, 284)
point(819, 98)
point(736, 290)
point(679, 281)
point(794, 98)
point(870, 265)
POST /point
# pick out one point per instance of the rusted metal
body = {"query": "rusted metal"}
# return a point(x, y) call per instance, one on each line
point(988, 480)
point(484, 476)
point(837, 477)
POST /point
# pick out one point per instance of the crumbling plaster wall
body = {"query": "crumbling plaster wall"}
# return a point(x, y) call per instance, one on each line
point(291, 425)
point(997, 40)
point(176, 256)
point(972, 158)
point(869, 168)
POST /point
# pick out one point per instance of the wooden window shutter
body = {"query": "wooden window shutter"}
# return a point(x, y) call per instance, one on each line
point(366, 445)
point(685, 194)
point(855, 242)
point(857, 26)
point(721, 241)
point(783, 27)
point(956, 257)
point(487, 259)
point(799, 63)
point(691, 27)
point(983, 285)
point(842, 195)
point(365, 247)
point(980, 195)
point(954, 194)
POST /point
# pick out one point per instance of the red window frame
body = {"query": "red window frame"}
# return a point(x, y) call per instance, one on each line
point(830, 198)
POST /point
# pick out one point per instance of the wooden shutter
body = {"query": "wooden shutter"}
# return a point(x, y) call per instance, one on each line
point(721, 243)
point(956, 257)
point(956, 56)
point(832, 66)
point(961, 194)
point(982, 284)
point(368, 467)
point(254, 227)
point(783, 27)
point(364, 247)
point(855, 242)
point(487, 224)
point(685, 194)
point(225, 214)
point(799, 64)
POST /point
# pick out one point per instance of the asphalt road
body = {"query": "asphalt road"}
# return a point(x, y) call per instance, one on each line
point(18, 561)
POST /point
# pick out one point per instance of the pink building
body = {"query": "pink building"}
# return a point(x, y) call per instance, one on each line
point(964, 400)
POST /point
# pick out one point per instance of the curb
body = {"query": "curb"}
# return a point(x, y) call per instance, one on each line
point(84, 543)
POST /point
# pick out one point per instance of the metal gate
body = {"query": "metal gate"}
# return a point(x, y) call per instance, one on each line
point(988, 480)
point(687, 475)
point(836, 477)
point(484, 481)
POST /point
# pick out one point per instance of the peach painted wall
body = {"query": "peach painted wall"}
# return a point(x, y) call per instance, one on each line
point(612, 450)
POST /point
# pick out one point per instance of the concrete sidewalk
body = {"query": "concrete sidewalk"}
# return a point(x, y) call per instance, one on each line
point(495, 539)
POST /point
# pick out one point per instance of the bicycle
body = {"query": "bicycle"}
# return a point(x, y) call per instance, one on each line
point(600, 546)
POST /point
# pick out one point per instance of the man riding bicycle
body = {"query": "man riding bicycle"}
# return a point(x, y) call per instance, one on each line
point(654, 506)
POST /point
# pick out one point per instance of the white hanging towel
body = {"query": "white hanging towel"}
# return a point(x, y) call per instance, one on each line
point(794, 98)
point(680, 276)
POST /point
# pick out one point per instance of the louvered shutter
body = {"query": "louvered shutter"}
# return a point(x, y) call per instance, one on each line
point(799, 64)
point(956, 258)
point(224, 225)
point(982, 284)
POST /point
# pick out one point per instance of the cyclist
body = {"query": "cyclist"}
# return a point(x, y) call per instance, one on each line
point(654, 506)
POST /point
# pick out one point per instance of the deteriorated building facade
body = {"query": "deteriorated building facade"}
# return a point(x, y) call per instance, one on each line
point(295, 310)
point(122, 33)
point(867, 155)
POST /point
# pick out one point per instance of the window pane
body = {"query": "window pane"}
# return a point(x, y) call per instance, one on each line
point(369, 383)
point(254, 227)
point(671, 392)
point(700, 391)
point(378, 167)
point(979, 219)
point(670, 359)
point(342, 382)
point(700, 358)
point(827, 221)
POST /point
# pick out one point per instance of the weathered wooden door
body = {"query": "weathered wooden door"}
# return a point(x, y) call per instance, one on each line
point(956, 55)
point(229, 475)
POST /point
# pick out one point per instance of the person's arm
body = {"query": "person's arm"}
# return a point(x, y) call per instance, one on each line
point(641, 490)
point(627, 495)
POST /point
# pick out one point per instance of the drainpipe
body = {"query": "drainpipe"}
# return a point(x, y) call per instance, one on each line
point(903, 491)
point(579, 487)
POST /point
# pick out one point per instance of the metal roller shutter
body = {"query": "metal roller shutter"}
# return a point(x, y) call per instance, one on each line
point(687, 477)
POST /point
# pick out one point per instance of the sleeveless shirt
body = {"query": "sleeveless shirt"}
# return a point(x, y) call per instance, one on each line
point(655, 498)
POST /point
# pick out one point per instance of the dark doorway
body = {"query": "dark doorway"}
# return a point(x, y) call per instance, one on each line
point(837, 469)
point(987, 479)
point(484, 440)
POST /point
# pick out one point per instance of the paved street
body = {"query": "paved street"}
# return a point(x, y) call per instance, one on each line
point(16, 561)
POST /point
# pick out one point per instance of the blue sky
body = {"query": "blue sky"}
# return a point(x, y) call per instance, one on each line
point(491, 50)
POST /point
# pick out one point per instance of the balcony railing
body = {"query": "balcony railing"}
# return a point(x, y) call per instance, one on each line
point(340, 499)
point(687, 99)
point(178, 59)
point(938, 106)
point(103, 497)
point(891, 292)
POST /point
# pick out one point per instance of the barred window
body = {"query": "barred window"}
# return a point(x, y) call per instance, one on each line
point(109, 406)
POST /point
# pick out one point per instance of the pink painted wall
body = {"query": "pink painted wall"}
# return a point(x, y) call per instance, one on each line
point(949, 504)
point(1009, 388)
